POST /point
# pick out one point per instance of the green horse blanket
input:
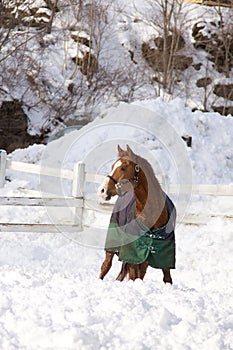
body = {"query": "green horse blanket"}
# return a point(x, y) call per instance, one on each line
point(134, 242)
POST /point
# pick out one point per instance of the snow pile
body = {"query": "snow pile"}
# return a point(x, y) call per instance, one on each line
point(51, 297)
point(154, 129)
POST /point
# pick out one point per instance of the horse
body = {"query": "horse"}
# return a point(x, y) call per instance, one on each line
point(141, 229)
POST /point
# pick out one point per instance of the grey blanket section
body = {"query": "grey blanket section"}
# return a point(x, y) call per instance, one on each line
point(124, 214)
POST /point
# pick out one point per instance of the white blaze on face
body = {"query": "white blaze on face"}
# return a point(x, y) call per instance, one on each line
point(102, 190)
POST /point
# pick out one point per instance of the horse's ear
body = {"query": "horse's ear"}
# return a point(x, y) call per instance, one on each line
point(121, 152)
point(130, 152)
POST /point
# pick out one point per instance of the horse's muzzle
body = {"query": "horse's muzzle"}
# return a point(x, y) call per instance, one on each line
point(105, 195)
point(109, 195)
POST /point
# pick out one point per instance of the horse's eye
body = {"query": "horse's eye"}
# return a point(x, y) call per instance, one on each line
point(123, 168)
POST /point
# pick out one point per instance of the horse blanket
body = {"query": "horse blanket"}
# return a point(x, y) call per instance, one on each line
point(135, 242)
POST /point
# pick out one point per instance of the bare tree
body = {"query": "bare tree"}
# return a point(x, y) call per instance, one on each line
point(52, 5)
point(170, 21)
point(225, 42)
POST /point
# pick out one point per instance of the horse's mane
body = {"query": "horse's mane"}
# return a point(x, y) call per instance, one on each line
point(148, 170)
point(149, 196)
point(155, 201)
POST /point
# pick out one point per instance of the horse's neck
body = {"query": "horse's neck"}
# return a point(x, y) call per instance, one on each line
point(150, 204)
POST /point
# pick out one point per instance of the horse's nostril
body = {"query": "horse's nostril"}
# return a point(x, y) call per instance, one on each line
point(102, 191)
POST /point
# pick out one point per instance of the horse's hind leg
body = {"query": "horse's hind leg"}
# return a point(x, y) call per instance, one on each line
point(106, 264)
point(133, 271)
point(137, 270)
point(143, 268)
point(167, 276)
point(124, 271)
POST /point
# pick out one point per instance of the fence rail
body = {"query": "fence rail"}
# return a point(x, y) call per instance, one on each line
point(37, 169)
point(79, 176)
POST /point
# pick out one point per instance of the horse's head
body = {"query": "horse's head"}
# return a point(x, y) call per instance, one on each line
point(123, 177)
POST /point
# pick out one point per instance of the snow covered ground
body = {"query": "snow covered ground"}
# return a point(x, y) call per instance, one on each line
point(51, 297)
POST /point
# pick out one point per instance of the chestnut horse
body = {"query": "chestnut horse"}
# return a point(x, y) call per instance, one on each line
point(134, 177)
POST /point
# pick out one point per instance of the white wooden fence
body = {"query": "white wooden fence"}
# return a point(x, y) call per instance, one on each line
point(79, 176)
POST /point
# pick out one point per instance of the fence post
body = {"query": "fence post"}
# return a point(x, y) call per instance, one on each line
point(2, 167)
point(77, 190)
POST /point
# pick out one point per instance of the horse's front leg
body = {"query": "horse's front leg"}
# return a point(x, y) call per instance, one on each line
point(106, 264)
point(167, 276)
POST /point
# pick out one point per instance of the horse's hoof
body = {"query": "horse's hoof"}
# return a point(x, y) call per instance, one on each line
point(167, 281)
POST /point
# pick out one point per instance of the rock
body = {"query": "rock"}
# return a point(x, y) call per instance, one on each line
point(13, 127)
point(158, 59)
point(86, 61)
point(197, 66)
point(203, 82)
point(7, 19)
point(223, 110)
point(187, 139)
point(43, 15)
point(153, 57)
point(82, 38)
point(197, 27)
point(224, 90)
point(77, 60)
point(27, 14)
point(216, 39)
point(131, 53)
point(176, 42)
point(182, 62)
point(88, 64)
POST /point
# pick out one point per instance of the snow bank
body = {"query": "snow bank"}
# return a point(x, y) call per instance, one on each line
point(154, 129)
